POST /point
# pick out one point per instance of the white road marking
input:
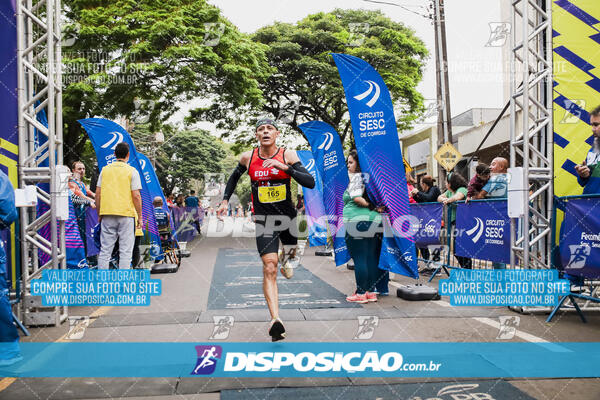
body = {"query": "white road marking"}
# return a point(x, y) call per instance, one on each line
point(496, 324)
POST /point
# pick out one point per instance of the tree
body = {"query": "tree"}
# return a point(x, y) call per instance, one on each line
point(140, 59)
point(186, 156)
point(306, 85)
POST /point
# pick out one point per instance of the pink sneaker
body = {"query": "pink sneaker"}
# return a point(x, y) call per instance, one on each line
point(358, 298)
point(372, 297)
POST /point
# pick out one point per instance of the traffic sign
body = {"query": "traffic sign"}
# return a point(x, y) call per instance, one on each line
point(447, 156)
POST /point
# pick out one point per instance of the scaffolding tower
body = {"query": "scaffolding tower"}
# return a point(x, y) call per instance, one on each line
point(531, 138)
point(40, 85)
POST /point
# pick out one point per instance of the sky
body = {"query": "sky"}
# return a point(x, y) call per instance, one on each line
point(474, 68)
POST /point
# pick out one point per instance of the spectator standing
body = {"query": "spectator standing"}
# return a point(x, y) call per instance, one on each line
point(359, 215)
point(496, 187)
point(476, 184)
point(300, 204)
point(82, 198)
point(192, 202)
point(428, 194)
point(171, 200)
point(118, 207)
point(11, 352)
point(589, 172)
point(456, 187)
point(410, 186)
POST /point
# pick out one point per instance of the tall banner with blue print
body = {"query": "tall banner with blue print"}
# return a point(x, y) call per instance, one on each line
point(483, 230)
point(9, 126)
point(105, 135)
point(429, 216)
point(149, 175)
point(313, 202)
point(580, 238)
point(329, 160)
point(376, 137)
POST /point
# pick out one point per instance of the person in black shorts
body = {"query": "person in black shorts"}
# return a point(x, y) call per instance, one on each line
point(271, 168)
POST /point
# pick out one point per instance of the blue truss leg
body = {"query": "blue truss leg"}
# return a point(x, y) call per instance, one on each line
point(20, 325)
point(556, 308)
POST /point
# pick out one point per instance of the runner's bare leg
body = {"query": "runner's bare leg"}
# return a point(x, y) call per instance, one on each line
point(270, 283)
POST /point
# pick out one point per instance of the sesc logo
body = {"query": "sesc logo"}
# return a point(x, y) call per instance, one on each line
point(327, 141)
point(310, 165)
point(207, 359)
point(476, 232)
point(143, 164)
point(363, 95)
point(117, 137)
point(429, 227)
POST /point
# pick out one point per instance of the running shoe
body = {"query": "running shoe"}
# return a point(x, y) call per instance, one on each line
point(288, 260)
point(357, 298)
point(277, 330)
point(371, 297)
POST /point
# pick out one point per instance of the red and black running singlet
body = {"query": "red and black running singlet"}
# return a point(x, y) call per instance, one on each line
point(270, 187)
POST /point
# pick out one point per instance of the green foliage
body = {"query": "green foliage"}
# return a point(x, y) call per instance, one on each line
point(306, 84)
point(185, 156)
point(158, 52)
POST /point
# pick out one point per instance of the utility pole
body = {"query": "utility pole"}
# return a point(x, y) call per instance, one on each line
point(444, 125)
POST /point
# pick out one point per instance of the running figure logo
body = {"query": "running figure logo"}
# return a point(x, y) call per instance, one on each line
point(223, 325)
point(508, 327)
point(366, 326)
point(207, 359)
point(579, 255)
point(499, 33)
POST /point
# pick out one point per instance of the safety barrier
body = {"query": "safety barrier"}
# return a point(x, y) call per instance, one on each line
point(477, 235)
point(577, 251)
point(462, 243)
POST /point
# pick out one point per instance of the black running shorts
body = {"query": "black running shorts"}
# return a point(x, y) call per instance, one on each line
point(268, 241)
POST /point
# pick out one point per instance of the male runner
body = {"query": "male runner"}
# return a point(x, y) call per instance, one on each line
point(270, 169)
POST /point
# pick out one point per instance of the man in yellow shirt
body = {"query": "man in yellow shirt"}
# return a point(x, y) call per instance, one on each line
point(118, 206)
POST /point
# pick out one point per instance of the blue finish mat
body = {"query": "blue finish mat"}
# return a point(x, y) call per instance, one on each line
point(237, 284)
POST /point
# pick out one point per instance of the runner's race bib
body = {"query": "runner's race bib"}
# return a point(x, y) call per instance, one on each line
point(271, 194)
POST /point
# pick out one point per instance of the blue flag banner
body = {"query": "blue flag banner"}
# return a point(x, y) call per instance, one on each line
point(313, 202)
point(580, 238)
point(380, 157)
point(483, 230)
point(105, 135)
point(329, 160)
point(430, 222)
point(149, 175)
point(9, 126)
point(91, 220)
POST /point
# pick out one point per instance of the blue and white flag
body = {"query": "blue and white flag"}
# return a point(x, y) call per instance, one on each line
point(313, 202)
point(105, 135)
point(329, 159)
point(376, 137)
point(149, 175)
